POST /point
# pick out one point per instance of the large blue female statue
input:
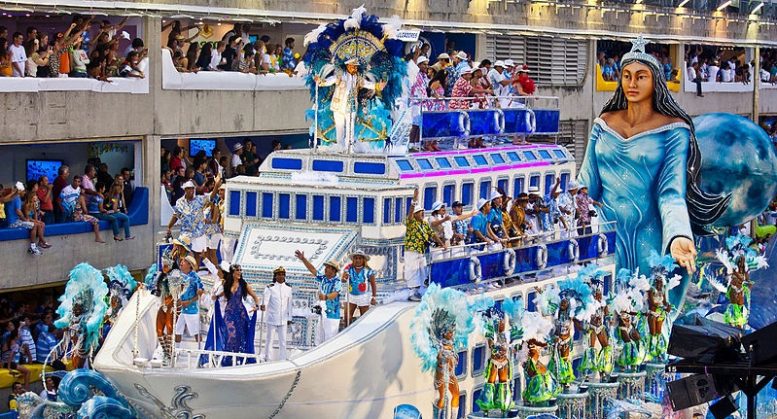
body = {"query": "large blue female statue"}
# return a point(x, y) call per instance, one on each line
point(643, 163)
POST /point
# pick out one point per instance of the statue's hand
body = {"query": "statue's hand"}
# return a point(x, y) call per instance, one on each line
point(684, 252)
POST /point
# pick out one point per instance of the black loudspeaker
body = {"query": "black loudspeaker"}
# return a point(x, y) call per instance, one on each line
point(704, 341)
point(763, 344)
point(691, 391)
point(724, 407)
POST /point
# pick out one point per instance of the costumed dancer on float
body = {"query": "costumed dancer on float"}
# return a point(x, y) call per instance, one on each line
point(358, 275)
point(329, 288)
point(81, 313)
point(573, 305)
point(345, 100)
point(739, 258)
point(276, 303)
point(541, 387)
point(357, 72)
point(440, 329)
point(189, 317)
point(233, 331)
point(158, 283)
point(121, 285)
point(650, 188)
point(503, 340)
point(658, 307)
point(627, 304)
point(597, 328)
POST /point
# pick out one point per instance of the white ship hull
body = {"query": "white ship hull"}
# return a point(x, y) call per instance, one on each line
point(364, 372)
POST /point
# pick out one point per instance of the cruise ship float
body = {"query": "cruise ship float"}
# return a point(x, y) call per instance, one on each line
point(535, 303)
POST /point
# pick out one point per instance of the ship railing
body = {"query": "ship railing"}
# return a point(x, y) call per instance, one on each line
point(532, 258)
point(433, 104)
point(525, 241)
point(190, 358)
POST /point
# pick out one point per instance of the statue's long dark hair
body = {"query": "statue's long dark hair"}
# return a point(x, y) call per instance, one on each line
point(703, 208)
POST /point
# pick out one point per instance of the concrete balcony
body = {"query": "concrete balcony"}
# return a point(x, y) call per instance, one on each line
point(73, 243)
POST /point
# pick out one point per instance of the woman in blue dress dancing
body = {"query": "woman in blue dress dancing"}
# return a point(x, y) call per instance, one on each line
point(235, 331)
point(643, 163)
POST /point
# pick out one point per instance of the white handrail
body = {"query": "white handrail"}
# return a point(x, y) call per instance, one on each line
point(192, 358)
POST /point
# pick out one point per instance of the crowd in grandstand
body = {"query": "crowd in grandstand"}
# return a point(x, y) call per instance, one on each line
point(73, 53)
point(96, 195)
point(235, 52)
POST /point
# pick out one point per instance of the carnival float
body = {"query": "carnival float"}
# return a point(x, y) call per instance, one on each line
point(572, 327)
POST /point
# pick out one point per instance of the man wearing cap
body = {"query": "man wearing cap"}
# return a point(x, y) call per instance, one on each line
point(418, 234)
point(567, 206)
point(329, 288)
point(584, 210)
point(496, 218)
point(357, 275)
point(461, 89)
point(418, 91)
point(460, 65)
point(481, 227)
point(442, 225)
point(443, 61)
point(460, 224)
point(190, 209)
point(189, 319)
point(345, 100)
point(499, 82)
point(237, 152)
point(533, 211)
point(518, 214)
point(276, 303)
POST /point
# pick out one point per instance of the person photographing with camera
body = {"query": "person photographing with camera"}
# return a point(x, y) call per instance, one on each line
point(329, 287)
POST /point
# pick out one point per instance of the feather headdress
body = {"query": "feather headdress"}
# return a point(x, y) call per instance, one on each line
point(85, 288)
point(443, 310)
point(739, 246)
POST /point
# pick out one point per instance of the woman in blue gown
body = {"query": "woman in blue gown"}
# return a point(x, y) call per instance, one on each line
point(234, 332)
point(643, 163)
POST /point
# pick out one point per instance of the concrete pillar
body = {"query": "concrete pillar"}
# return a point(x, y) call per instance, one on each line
point(756, 83)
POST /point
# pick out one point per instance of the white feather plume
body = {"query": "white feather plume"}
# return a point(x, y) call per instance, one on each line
point(312, 36)
point(674, 281)
point(391, 27)
point(639, 282)
point(547, 301)
point(355, 20)
point(723, 257)
point(535, 326)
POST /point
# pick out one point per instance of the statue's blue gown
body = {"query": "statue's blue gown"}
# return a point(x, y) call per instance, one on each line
point(641, 181)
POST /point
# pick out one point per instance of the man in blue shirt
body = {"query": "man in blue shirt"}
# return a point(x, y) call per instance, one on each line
point(481, 229)
point(189, 319)
point(328, 292)
point(495, 216)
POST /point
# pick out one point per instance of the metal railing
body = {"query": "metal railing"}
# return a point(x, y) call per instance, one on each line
point(193, 358)
point(443, 104)
point(523, 242)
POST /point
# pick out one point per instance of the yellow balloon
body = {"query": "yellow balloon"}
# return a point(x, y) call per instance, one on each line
point(296, 55)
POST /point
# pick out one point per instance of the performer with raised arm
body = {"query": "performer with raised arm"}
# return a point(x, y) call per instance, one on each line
point(345, 100)
point(329, 288)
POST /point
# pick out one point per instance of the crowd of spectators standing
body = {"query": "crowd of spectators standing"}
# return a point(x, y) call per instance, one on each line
point(72, 53)
point(609, 62)
point(96, 195)
point(235, 52)
point(178, 167)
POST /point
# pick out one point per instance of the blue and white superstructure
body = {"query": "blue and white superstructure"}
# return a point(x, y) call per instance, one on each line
point(328, 204)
